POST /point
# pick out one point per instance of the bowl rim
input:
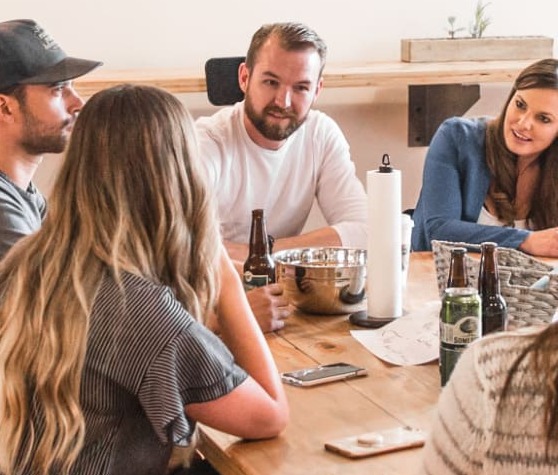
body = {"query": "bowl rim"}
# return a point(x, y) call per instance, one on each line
point(279, 258)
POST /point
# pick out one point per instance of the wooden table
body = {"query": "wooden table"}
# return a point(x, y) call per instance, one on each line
point(388, 396)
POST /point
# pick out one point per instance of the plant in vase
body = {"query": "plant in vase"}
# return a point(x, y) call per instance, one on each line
point(481, 21)
point(452, 30)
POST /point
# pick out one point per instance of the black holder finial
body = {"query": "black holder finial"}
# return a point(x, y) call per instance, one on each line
point(385, 167)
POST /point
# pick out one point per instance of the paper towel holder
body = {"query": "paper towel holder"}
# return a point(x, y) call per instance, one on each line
point(362, 318)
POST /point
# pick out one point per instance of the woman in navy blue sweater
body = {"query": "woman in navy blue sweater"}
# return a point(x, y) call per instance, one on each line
point(496, 180)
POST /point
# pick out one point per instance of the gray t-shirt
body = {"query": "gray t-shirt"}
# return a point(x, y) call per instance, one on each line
point(21, 212)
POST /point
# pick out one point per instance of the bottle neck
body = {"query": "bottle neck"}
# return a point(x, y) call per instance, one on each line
point(259, 244)
point(489, 280)
point(458, 272)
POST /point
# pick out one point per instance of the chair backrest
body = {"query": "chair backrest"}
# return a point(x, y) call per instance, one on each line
point(221, 79)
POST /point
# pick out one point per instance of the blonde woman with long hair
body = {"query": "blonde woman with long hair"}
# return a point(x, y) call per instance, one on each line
point(105, 363)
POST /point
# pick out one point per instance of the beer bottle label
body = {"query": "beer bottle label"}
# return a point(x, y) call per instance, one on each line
point(461, 333)
point(251, 281)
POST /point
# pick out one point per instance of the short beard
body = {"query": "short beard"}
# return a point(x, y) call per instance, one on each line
point(44, 144)
point(272, 131)
point(38, 138)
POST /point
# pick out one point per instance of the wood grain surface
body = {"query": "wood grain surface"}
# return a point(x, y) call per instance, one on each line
point(389, 396)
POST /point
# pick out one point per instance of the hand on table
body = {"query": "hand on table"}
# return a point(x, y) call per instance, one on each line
point(542, 243)
point(270, 306)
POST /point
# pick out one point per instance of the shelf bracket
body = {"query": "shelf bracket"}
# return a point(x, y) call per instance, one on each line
point(430, 105)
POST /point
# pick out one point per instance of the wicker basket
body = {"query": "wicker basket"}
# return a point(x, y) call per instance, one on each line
point(518, 271)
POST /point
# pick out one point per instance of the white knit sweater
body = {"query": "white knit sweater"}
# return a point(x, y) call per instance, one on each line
point(471, 435)
point(314, 163)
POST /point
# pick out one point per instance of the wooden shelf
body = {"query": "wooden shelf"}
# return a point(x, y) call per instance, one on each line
point(436, 90)
point(373, 74)
point(177, 81)
point(386, 74)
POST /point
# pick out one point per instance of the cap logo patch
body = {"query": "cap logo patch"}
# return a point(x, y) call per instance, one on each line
point(45, 38)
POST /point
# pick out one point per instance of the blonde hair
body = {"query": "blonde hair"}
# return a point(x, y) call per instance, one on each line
point(130, 197)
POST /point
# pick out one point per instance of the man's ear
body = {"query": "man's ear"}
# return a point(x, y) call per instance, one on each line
point(319, 88)
point(243, 76)
point(6, 107)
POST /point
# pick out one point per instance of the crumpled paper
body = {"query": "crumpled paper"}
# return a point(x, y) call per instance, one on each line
point(412, 339)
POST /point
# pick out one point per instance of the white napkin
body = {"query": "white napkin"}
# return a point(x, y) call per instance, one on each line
point(409, 340)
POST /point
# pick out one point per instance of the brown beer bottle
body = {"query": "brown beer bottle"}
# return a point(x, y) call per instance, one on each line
point(259, 268)
point(494, 308)
point(458, 270)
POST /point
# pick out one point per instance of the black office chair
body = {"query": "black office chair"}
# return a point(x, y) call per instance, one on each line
point(221, 79)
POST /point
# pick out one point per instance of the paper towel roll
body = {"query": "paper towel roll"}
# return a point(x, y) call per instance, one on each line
point(384, 285)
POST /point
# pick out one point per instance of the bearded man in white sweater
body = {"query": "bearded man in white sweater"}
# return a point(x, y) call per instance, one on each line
point(273, 151)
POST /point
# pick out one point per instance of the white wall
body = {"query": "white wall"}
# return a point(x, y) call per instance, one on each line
point(177, 33)
point(134, 33)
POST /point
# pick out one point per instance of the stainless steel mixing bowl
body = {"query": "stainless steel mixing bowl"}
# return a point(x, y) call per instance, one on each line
point(323, 280)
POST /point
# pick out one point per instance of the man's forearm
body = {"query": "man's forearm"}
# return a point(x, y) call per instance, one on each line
point(323, 237)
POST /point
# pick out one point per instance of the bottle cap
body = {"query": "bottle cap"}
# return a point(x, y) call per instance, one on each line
point(458, 250)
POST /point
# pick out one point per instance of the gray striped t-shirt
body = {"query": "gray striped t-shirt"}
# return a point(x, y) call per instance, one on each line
point(146, 359)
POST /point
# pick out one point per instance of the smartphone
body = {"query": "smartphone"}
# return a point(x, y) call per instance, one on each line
point(322, 374)
point(377, 443)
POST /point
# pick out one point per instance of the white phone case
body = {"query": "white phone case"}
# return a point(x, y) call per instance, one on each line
point(376, 443)
point(322, 374)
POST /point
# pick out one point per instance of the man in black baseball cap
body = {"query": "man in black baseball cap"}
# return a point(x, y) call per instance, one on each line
point(38, 107)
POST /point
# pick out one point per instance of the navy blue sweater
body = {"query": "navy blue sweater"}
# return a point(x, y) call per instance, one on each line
point(454, 186)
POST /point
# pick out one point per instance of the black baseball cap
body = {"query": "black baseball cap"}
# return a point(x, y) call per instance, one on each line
point(29, 55)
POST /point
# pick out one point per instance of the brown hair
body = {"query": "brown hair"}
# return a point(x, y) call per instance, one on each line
point(17, 90)
point(502, 163)
point(292, 37)
point(537, 366)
